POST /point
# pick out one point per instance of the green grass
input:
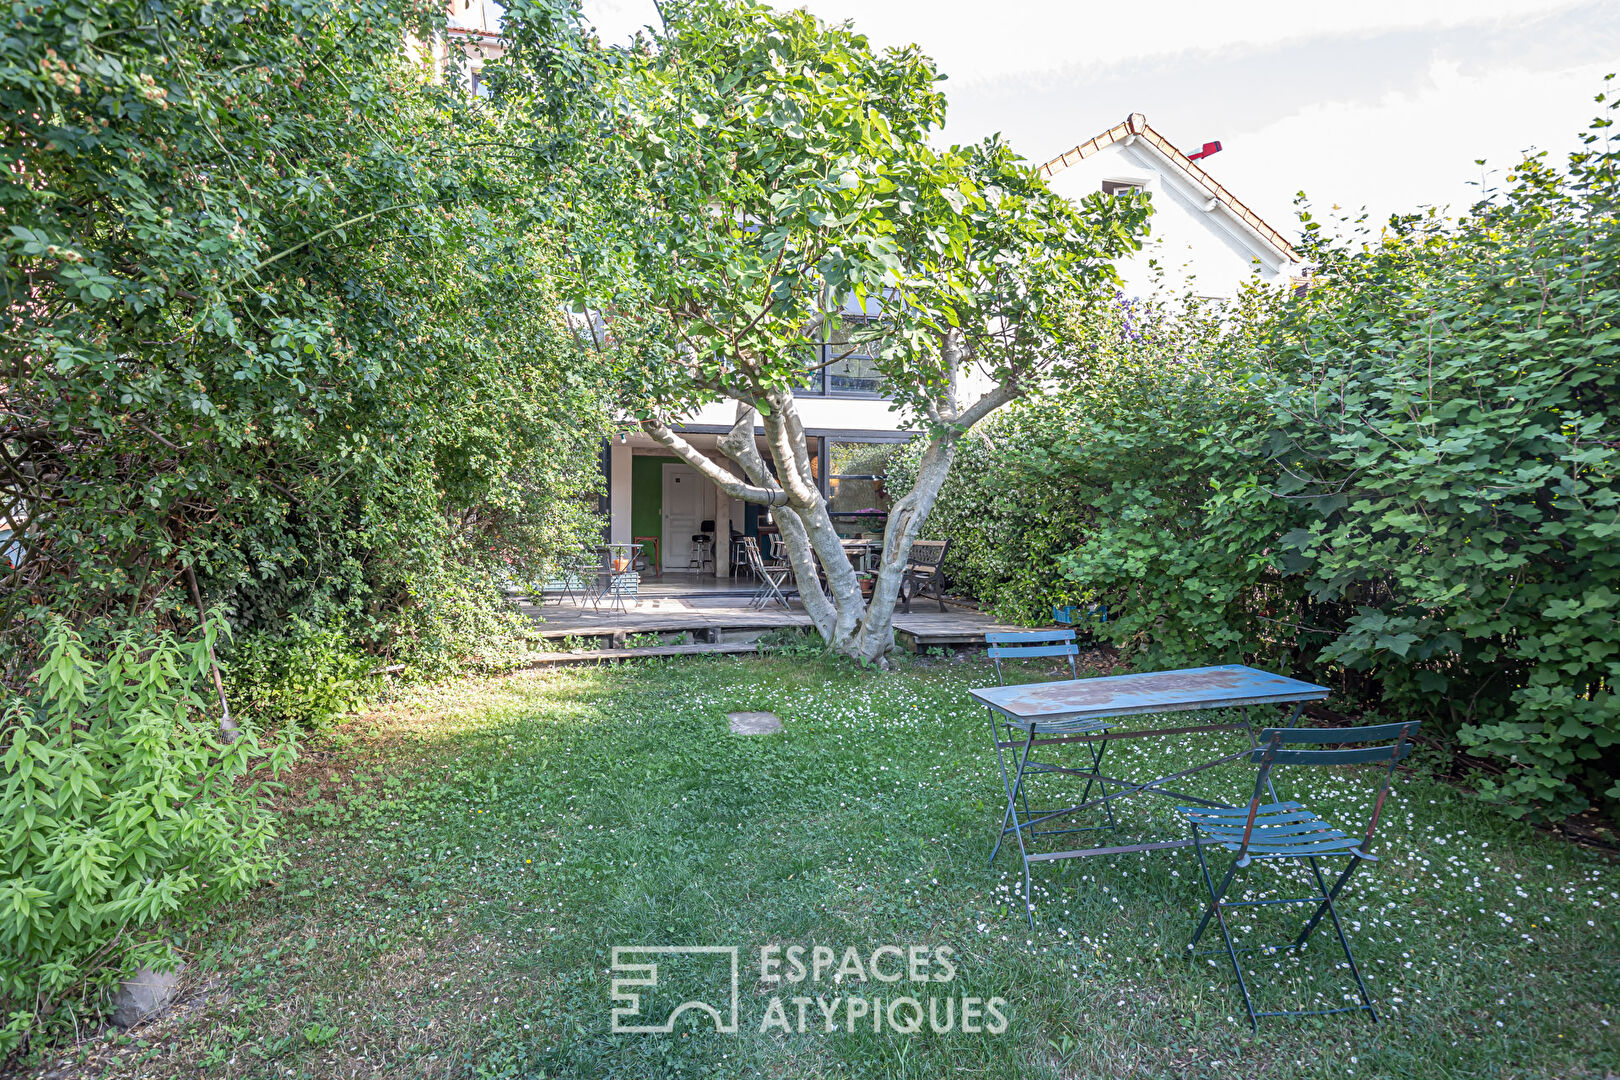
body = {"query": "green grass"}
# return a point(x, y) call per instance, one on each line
point(463, 863)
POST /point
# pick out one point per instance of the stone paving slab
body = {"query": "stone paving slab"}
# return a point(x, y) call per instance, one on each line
point(754, 723)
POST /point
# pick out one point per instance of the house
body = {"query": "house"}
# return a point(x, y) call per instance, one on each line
point(1202, 239)
point(472, 32)
point(852, 432)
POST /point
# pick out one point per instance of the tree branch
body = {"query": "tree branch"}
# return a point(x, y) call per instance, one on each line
point(992, 400)
point(711, 470)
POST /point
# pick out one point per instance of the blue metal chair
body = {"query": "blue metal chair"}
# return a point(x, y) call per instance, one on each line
point(1287, 830)
point(1074, 615)
point(1029, 646)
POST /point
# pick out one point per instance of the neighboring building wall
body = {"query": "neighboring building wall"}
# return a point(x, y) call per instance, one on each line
point(1200, 246)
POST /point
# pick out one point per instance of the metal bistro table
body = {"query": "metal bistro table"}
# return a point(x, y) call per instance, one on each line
point(616, 573)
point(1078, 710)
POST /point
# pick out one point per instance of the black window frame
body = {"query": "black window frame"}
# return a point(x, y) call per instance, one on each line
point(823, 355)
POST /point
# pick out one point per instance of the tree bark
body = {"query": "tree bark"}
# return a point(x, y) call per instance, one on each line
point(845, 620)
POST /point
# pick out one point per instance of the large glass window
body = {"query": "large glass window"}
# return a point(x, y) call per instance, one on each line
point(856, 485)
point(815, 379)
point(844, 361)
point(852, 357)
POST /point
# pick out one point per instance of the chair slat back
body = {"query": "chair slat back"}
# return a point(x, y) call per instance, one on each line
point(1022, 638)
point(756, 561)
point(1362, 756)
point(1395, 744)
point(1374, 733)
point(1031, 644)
point(927, 553)
point(1033, 651)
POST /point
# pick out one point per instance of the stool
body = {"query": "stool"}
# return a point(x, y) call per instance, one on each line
point(702, 552)
point(702, 547)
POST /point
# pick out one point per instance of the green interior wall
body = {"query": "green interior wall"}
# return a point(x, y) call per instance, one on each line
point(647, 494)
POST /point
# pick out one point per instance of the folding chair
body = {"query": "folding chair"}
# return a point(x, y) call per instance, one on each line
point(583, 570)
point(564, 583)
point(1031, 645)
point(1287, 830)
point(616, 575)
point(771, 576)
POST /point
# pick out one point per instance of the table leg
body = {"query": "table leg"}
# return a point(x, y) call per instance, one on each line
point(1006, 784)
point(1100, 748)
point(1018, 830)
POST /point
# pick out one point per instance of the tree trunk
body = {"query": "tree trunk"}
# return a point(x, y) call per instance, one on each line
point(905, 522)
point(846, 621)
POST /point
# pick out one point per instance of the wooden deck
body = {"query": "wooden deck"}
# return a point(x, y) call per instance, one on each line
point(716, 619)
point(599, 656)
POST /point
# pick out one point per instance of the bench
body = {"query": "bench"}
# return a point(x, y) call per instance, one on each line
point(924, 569)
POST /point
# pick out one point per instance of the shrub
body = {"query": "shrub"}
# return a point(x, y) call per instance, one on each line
point(459, 621)
point(1453, 424)
point(315, 369)
point(124, 814)
point(1404, 481)
point(1102, 490)
point(306, 677)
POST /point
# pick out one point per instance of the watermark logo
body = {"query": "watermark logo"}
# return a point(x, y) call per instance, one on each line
point(642, 980)
point(899, 989)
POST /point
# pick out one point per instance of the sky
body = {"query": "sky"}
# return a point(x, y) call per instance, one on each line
point(1378, 104)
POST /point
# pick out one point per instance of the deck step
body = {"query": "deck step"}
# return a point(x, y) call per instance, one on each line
point(597, 656)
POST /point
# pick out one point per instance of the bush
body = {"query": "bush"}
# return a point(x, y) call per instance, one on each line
point(309, 675)
point(314, 371)
point(1453, 424)
point(461, 621)
point(305, 678)
point(124, 815)
point(1404, 482)
point(1098, 490)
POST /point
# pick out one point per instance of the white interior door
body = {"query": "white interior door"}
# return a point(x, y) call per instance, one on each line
point(683, 510)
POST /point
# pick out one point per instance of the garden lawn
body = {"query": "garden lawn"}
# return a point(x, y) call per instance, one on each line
point(462, 864)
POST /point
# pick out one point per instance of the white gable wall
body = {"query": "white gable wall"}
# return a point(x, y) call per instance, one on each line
point(1206, 252)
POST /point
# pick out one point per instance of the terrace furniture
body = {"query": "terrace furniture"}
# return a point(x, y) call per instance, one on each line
point(923, 569)
point(656, 559)
point(702, 547)
point(1073, 615)
point(617, 575)
point(1287, 830)
point(1031, 645)
point(772, 576)
point(568, 582)
point(1074, 710)
point(578, 579)
point(860, 552)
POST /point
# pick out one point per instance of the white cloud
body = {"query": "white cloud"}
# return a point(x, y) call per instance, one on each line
point(976, 40)
point(617, 20)
point(1410, 149)
point(1377, 103)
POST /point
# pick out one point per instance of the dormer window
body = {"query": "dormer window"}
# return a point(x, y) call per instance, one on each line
point(1121, 187)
